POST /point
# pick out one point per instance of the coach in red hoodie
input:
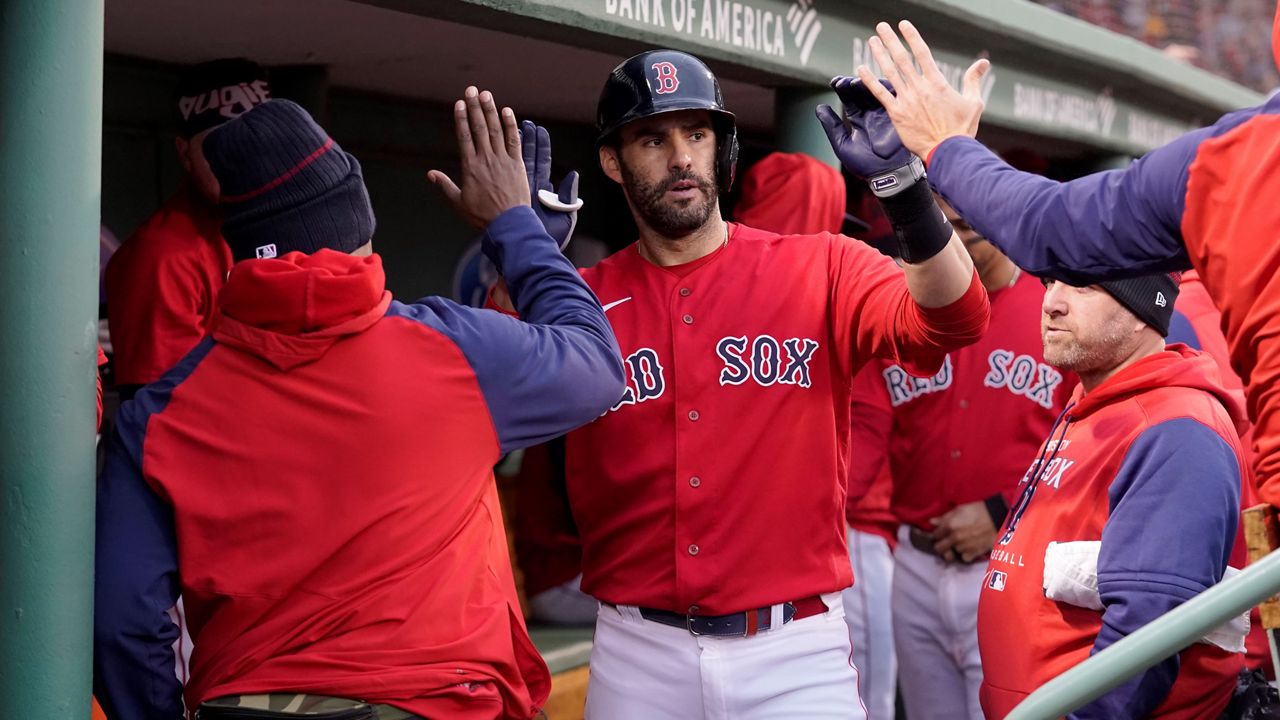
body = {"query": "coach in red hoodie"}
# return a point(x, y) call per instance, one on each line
point(315, 477)
point(1145, 460)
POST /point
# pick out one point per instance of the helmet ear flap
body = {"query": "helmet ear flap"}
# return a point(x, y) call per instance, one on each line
point(726, 156)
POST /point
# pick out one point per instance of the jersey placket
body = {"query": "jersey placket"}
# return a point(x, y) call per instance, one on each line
point(688, 483)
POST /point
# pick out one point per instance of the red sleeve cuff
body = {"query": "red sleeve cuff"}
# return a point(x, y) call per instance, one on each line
point(946, 328)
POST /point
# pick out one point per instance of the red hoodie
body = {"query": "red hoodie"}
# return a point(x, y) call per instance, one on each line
point(1149, 463)
point(318, 475)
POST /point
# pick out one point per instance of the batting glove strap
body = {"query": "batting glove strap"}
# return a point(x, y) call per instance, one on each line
point(898, 180)
point(918, 223)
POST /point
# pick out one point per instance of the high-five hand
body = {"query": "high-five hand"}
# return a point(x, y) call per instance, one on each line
point(493, 173)
point(925, 109)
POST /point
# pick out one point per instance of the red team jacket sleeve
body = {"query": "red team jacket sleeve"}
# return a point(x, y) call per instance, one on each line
point(870, 424)
point(870, 293)
point(158, 312)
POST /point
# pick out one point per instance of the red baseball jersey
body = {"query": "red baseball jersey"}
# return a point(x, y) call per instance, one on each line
point(871, 422)
point(162, 288)
point(966, 433)
point(717, 482)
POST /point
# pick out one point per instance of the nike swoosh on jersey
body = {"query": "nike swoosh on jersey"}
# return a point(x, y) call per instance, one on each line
point(614, 304)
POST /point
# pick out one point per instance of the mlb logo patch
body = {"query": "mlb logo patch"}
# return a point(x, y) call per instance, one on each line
point(997, 580)
point(266, 251)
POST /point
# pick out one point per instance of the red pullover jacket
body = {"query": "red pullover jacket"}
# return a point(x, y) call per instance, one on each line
point(1205, 200)
point(315, 479)
point(1149, 463)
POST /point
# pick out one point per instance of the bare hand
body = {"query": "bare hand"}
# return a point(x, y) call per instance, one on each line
point(926, 110)
point(966, 532)
point(493, 174)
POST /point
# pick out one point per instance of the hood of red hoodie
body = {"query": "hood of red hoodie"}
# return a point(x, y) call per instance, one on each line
point(290, 310)
point(1177, 366)
point(792, 194)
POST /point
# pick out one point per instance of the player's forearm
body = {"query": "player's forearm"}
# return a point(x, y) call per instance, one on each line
point(943, 278)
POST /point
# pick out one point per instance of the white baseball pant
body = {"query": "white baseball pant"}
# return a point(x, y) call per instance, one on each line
point(564, 604)
point(868, 611)
point(935, 630)
point(643, 670)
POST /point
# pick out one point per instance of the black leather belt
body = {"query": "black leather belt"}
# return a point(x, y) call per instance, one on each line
point(739, 624)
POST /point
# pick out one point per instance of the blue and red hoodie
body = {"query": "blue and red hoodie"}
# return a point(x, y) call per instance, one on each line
point(1206, 200)
point(1150, 464)
point(315, 480)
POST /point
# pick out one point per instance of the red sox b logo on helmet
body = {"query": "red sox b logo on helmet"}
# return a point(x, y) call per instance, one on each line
point(667, 80)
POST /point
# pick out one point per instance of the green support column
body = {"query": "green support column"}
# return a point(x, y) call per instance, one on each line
point(798, 128)
point(50, 192)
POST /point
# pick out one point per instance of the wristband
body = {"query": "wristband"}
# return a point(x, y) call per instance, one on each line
point(919, 226)
point(897, 180)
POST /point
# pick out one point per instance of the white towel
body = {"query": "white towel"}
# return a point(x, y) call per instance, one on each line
point(1071, 576)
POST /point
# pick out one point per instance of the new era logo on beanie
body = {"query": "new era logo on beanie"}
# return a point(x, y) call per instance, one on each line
point(214, 92)
point(286, 185)
point(1150, 297)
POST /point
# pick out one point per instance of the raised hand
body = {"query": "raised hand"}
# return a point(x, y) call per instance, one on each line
point(925, 109)
point(493, 178)
point(556, 207)
point(867, 144)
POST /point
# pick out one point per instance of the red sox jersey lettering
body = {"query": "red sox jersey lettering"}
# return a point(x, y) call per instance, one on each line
point(767, 362)
point(1023, 375)
point(904, 388)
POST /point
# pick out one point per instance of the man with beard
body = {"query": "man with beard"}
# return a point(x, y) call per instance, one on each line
point(710, 499)
point(1141, 478)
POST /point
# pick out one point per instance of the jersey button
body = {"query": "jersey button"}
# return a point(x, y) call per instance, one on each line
point(693, 415)
point(695, 481)
point(693, 609)
point(688, 319)
point(955, 454)
point(684, 292)
point(693, 549)
point(964, 404)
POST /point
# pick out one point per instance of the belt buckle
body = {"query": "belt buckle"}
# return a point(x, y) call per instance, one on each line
point(688, 624)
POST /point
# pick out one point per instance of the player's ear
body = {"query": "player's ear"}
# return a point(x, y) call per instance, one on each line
point(609, 163)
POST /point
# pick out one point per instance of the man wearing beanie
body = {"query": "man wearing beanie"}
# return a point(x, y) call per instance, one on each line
point(162, 285)
point(1129, 509)
point(315, 476)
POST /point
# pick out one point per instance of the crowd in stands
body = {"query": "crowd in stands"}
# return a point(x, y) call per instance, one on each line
point(1230, 38)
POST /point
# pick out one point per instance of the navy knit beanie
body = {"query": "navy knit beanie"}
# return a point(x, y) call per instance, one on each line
point(286, 185)
point(1150, 297)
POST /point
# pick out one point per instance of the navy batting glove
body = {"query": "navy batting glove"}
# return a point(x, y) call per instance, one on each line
point(556, 207)
point(867, 144)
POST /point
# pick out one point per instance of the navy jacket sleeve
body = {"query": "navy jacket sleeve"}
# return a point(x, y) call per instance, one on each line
point(136, 577)
point(557, 369)
point(1174, 506)
point(1115, 223)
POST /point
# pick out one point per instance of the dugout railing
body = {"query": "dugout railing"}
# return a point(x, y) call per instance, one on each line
point(1167, 635)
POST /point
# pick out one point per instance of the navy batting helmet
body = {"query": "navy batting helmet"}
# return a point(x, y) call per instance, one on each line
point(660, 81)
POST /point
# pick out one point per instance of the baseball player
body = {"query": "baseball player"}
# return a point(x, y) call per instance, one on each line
point(710, 499)
point(1135, 494)
point(957, 446)
point(1205, 200)
point(162, 284)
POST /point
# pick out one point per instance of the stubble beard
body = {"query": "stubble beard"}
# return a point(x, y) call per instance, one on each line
point(1099, 353)
point(671, 219)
